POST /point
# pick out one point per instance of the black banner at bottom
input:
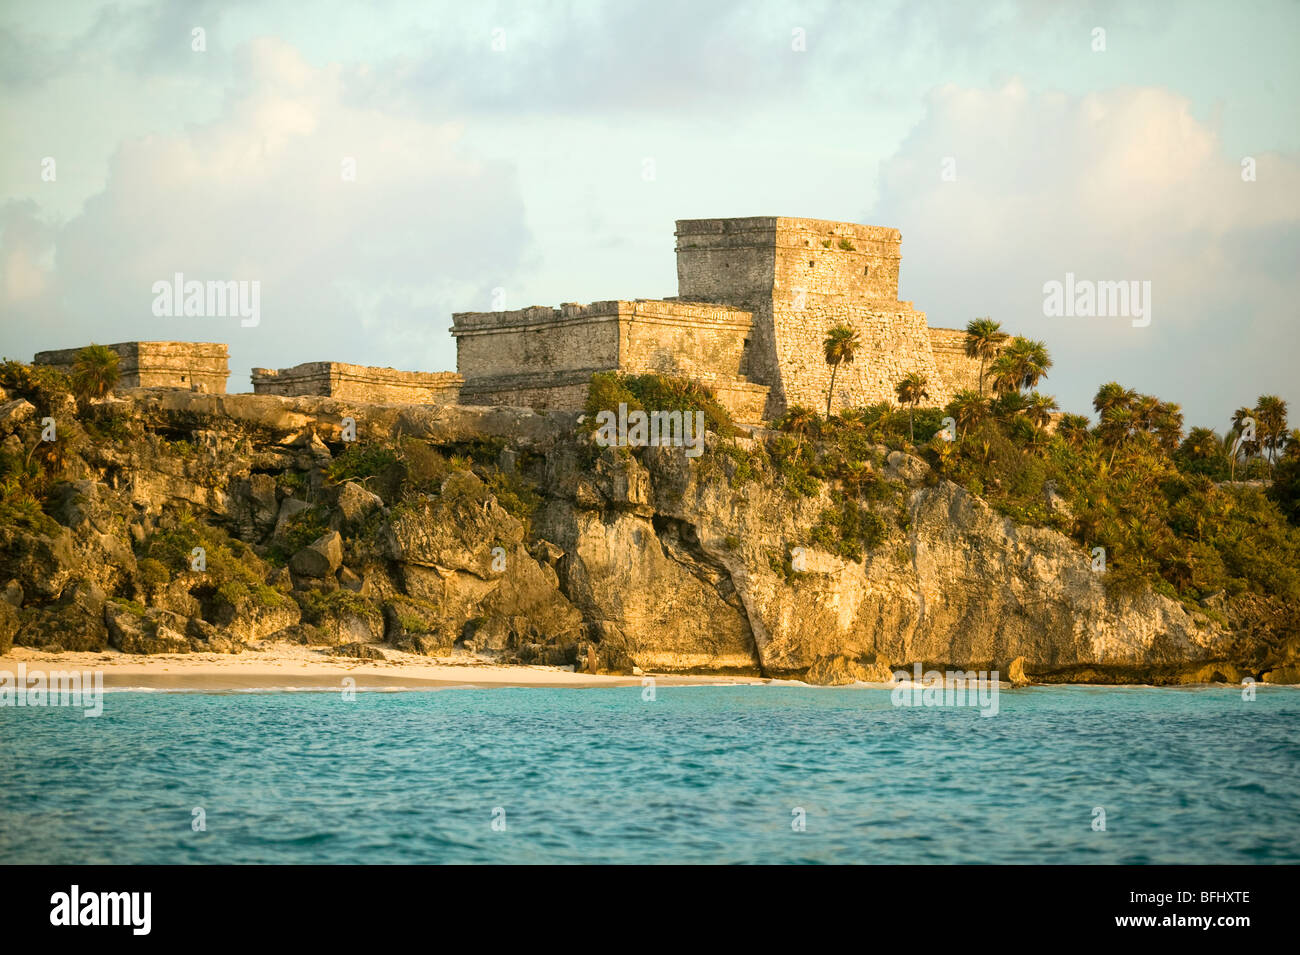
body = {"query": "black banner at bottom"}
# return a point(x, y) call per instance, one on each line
point(332, 904)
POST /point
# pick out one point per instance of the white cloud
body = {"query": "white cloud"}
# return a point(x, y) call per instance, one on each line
point(366, 270)
point(1121, 184)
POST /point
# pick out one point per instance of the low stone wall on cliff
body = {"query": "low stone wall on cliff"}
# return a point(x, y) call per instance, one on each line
point(359, 383)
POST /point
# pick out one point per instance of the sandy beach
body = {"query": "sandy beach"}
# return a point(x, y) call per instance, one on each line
point(286, 666)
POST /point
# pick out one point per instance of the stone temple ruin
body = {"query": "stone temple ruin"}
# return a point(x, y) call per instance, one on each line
point(755, 300)
point(195, 366)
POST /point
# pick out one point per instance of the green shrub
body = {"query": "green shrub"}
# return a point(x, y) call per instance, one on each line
point(848, 529)
point(318, 606)
point(518, 496)
point(360, 462)
point(107, 425)
point(135, 607)
point(300, 530)
point(609, 389)
point(236, 573)
point(151, 574)
point(44, 386)
point(1161, 518)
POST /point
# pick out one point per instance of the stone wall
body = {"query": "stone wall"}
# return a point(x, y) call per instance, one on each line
point(544, 390)
point(359, 383)
point(689, 340)
point(536, 339)
point(745, 401)
point(197, 366)
point(801, 277)
point(544, 358)
point(957, 372)
point(893, 343)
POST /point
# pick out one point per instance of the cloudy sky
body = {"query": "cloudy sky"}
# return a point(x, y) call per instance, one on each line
point(545, 149)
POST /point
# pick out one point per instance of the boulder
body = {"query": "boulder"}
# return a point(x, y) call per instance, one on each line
point(342, 617)
point(126, 624)
point(163, 640)
point(425, 644)
point(354, 504)
point(261, 495)
point(75, 622)
point(1287, 675)
point(839, 670)
point(251, 620)
point(1015, 674)
point(8, 626)
point(132, 630)
point(289, 508)
point(300, 633)
point(900, 466)
point(362, 651)
point(418, 626)
point(13, 414)
point(205, 638)
point(457, 531)
point(42, 563)
point(85, 505)
point(320, 558)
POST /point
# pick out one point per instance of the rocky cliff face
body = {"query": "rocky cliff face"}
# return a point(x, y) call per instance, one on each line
point(183, 521)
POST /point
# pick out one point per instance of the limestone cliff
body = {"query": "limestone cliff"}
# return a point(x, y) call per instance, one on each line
point(177, 521)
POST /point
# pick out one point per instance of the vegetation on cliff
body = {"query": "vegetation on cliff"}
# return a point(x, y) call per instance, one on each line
point(403, 536)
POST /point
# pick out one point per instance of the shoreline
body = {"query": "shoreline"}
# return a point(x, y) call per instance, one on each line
point(289, 667)
point(295, 667)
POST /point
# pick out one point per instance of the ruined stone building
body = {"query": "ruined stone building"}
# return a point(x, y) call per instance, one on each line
point(755, 300)
point(203, 366)
point(359, 383)
point(194, 366)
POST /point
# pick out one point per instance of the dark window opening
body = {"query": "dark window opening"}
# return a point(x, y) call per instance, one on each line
point(867, 270)
point(810, 263)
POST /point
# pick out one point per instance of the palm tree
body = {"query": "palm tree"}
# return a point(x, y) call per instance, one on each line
point(1004, 375)
point(1073, 429)
point(1202, 444)
point(841, 345)
point(1144, 412)
point(1030, 360)
point(984, 338)
point(855, 419)
point(1009, 404)
point(1039, 409)
point(1167, 423)
point(95, 372)
point(855, 475)
point(798, 420)
point(911, 392)
point(1270, 412)
point(1112, 395)
point(1116, 423)
point(1240, 447)
point(968, 408)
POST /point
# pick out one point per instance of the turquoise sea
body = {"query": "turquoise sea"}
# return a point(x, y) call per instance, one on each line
point(699, 774)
